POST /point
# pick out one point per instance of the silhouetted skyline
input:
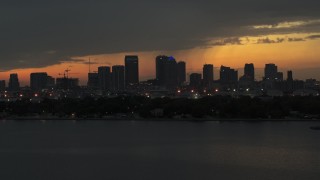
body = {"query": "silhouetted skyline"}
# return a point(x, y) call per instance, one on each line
point(168, 72)
point(230, 33)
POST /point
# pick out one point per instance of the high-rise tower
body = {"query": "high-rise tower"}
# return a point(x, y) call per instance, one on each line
point(270, 72)
point(181, 71)
point(160, 72)
point(207, 75)
point(38, 81)
point(14, 84)
point(249, 72)
point(118, 82)
point(131, 70)
point(228, 75)
point(104, 76)
point(166, 71)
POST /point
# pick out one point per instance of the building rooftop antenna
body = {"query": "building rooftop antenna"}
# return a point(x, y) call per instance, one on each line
point(89, 65)
point(67, 72)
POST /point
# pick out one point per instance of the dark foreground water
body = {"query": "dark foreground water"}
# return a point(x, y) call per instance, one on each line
point(66, 150)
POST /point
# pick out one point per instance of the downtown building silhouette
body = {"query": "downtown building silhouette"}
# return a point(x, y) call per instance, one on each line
point(118, 78)
point(14, 84)
point(208, 75)
point(67, 83)
point(2, 85)
point(248, 79)
point(169, 73)
point(131, 70)
point(181, 70)
point(270, 72)
point(104, 77)
point(228, 75)
point(195, 80)
point(249, 72)
point(170, 78)
point(38, 81)
point(93, 80)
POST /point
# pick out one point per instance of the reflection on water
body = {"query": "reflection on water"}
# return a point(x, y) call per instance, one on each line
point(158, 150)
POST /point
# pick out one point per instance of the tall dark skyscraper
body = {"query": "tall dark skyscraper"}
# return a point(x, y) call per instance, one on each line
point(279, 76)
point(228, 75)
point(289, 76)
point(118, 82)
point(104, 76)
point(247, 80)
point(93, 80)
point(14, 84)
point(195, 80)
point(166, 71)
point(2, 85)
point(67, 83)
point(160, 73)
point(181, 70)
point(207, 75)
point(249, 72)
point(131, 70)
point(289, 81)
point(171, 75)
point(270, 72)
point(38, 81)
point(51, 82)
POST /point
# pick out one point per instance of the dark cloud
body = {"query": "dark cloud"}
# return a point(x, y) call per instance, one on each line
point(227, 41)
point(295, 39)
point(81, 61)
point(41, 33)
point(270, 41)
point(313, 37)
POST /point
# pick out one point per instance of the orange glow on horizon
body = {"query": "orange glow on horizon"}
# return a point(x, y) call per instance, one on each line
point(287, 55)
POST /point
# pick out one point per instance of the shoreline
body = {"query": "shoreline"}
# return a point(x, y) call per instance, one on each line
point(155, 119)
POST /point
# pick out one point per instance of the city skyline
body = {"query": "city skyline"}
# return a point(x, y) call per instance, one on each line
point(232, 33)
point(171, 80)
point(92, 68)
point(168, 73)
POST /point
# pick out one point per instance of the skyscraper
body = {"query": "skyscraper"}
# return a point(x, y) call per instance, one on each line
point(118, 82)
point(181, 71)
point(93, 80)
point(207, 75)
point(228, 75)
point(289, 76)
point(160, 72)
point(166, 71)
point(247, 80)
point(171, 75)
point(2, 85)
point(131, 70)
point(38, 81)
point(67, 83)
point(270, 72)
point(104, 76)
point(289, 81)
point(195, 80)
point(51, 82)
point(279, 76)
point(14, 84)
point(249, 72)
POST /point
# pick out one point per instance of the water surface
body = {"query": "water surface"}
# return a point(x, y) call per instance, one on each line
point(127, 150)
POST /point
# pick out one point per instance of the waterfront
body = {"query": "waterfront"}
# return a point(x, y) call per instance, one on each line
point(158, 150)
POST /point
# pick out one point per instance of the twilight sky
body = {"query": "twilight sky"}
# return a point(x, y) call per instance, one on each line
point(42, 35)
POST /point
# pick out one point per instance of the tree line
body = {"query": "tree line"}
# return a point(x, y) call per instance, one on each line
point(132, 106)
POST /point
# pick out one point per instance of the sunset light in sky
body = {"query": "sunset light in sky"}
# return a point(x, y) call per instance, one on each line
point(35, 38)
point(301, 55)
